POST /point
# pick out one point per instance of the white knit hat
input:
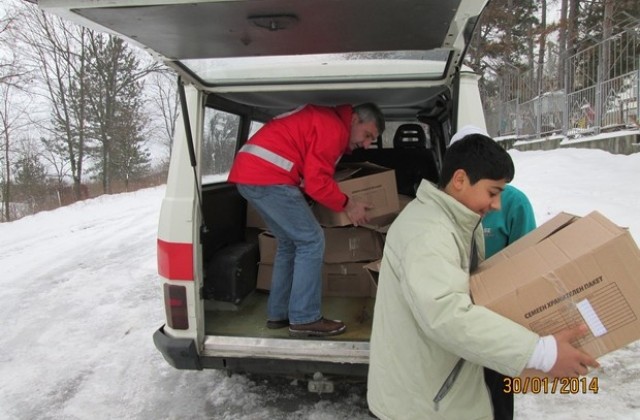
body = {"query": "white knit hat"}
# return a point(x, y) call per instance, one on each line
point(465, 131)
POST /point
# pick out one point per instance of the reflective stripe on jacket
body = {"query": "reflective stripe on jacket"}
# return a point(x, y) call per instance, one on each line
point(299, 148)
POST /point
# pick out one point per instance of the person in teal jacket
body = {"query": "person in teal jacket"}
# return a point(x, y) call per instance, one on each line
point(505, 226)
point(501, 228)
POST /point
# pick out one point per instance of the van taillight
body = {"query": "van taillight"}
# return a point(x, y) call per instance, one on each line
point(175, 306)
point(175, 260)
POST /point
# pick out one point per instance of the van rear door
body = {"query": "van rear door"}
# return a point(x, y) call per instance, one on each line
point(184, 33)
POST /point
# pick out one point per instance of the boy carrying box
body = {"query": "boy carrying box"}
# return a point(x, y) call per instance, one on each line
point(429, 342)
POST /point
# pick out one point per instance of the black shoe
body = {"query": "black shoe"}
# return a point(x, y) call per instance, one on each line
point(274, 325)
point(321, 328)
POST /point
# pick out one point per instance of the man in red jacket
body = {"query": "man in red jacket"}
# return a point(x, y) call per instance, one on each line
point(291, 154)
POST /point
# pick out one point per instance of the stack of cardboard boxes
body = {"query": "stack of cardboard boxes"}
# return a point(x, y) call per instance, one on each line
point(347, 248)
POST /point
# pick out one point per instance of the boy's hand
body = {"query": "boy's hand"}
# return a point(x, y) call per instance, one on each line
point(571, 362)
point(357, 212)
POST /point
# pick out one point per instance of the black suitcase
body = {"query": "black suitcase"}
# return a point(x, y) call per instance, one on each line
point(231, 274)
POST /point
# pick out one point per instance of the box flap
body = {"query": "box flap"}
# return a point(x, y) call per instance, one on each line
point(553, 225)
point(373, 270)
point(585, 235)
point(382, 223)
point(344, 173)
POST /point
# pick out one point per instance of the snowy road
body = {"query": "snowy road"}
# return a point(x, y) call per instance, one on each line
point(81, 300)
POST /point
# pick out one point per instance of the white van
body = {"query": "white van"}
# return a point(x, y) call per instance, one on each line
point(242, 62)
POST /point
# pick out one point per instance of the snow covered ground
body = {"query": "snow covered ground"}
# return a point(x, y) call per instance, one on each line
point(81, 300)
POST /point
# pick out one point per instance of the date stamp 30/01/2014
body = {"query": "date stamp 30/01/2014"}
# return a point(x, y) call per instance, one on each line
point(543, 385)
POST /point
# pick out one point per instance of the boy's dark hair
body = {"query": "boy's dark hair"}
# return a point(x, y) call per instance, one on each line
point(480, 157)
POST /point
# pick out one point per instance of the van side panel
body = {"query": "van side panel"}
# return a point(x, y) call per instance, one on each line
point(470, 111)
point(179, 218)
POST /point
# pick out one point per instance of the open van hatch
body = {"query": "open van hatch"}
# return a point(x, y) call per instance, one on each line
point(241, 62)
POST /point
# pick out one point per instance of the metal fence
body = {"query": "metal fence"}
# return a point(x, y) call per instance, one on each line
point(595, 90)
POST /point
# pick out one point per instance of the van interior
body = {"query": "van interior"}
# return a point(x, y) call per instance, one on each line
point(412, 144)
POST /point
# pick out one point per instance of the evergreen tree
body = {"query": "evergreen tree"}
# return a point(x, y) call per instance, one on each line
point(130, 159)
point(115, 93)
point(30, 180)
point(504, 34)
point(502, 45)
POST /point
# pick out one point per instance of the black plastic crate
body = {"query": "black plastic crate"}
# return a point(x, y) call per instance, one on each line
point(231, 273)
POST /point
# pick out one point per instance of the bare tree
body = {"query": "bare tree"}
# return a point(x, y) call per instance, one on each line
point(10, 70)
point(164, 100)
point(56, 51)
point(12, 119)
point(607, 31)
point(53, 154)
point(562, 40)
point(542, 44)
point(11, 109)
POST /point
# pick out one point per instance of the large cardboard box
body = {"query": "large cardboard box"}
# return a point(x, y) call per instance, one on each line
point(570, 270)
point(351, 244)
point(344, 244)
point(346, 280)
point(366, 182)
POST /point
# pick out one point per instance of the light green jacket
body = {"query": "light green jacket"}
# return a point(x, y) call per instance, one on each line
point(425, 322)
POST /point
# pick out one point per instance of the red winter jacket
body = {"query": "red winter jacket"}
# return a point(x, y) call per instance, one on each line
point(298, 148)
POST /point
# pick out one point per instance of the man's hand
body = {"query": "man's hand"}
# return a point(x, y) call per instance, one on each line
point(357, 211)
point(571, 362)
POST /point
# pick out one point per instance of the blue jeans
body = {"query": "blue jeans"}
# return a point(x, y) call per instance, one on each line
point(296, 283)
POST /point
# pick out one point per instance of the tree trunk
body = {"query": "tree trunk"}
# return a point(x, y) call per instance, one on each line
point(562, 43)
point(607, 31)
point(6, 194)
point(572, 39)
point(542, 45)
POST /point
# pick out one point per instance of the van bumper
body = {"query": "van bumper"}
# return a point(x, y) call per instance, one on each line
point(178, 352)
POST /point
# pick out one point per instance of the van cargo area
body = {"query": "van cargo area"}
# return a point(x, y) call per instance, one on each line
point(234, 256)
point(237, 254)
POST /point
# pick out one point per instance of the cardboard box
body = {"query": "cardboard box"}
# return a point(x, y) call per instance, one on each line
point(381, 224)
point(346, 280)
point(570, 270)
point(365, 182)
point(373, 270)
point(254, 220)
point(264, 276)
point(268, 245)
point(344, 244)
point(351, 244)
